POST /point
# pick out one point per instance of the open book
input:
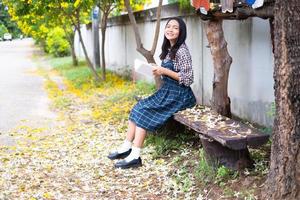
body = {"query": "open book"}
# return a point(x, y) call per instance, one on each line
point(142, 67)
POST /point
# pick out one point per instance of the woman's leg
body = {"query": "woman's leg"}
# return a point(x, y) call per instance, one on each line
point(126, 145)
point(131, 131)
point(140, 135)
point(134, 160)
point(129, 138)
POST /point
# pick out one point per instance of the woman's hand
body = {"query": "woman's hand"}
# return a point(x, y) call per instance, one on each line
point(158, 70)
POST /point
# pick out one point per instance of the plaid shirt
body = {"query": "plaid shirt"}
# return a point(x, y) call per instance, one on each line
point(183, 65)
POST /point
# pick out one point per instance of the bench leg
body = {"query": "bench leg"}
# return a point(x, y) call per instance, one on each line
point(217, 154)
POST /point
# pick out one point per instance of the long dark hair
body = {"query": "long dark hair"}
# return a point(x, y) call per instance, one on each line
point(166, 46)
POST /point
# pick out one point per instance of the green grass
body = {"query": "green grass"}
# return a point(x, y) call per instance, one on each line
point(78, 75)
point(62, 63)
point(164, 142)
point(266, 130)
point(182, 178)
point(204, 172)
point(208, 174)
point(162, 145)
point(145, 87)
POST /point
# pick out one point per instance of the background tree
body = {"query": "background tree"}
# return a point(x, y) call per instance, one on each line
point(284, 176)
point(29, 19)
point(3, 30)
point(148, 54)
point(78, 13)
point(5, 21)
point(106, 7)
point(183, 4)
point(38, 17)
point(58, 16)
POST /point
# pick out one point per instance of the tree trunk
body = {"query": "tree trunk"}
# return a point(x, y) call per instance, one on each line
point(284, 176)
point(103, 31)
point(222, 61)
point(73, 53)
point(271, 22)
point(74, 57)
point(70, 39)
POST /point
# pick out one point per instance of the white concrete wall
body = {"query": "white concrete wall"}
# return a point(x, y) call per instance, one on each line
point(87, 39)
point(249, 44)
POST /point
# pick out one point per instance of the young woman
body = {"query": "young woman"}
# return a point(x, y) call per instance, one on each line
point(175, 94)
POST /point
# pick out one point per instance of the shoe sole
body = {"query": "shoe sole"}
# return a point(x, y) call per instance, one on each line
point(121, 157)
point(131, 166)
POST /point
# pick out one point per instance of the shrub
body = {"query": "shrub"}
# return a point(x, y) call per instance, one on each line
point(3, 30)
point(56, 43)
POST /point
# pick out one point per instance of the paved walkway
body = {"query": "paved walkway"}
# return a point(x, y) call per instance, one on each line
point(22, 97)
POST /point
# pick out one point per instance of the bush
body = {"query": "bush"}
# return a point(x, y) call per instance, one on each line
point(3, 30)
point(56, 43)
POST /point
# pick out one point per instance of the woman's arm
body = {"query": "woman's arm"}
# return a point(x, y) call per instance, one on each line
point(158, 71)
point(183, 64)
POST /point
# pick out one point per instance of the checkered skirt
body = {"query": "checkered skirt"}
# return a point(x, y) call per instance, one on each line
point(152, 112)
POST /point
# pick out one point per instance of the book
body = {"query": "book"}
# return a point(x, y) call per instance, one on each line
point(142, 67)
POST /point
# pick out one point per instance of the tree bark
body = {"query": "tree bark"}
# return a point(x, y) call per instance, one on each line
point(70, 39)
point(106, 7)
point(271, 22)
point(74, 57)
point(222, 60)
point(73, 53)
point(149, 55)
point(103, 31)
point(284, 176)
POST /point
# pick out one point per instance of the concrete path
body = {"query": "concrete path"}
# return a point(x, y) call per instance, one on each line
point(22, 97)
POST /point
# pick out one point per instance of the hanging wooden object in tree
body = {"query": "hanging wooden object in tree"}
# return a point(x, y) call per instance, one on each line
point(258, 4)
point(233, 9)
point(250, 2)
point(227, 6)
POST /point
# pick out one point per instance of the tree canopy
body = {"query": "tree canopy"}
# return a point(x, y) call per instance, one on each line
point(6, 24)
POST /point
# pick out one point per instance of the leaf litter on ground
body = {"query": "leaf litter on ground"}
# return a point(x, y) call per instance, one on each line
point(68, 160)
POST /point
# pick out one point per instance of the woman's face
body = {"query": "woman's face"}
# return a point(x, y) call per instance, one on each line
point(172, 31)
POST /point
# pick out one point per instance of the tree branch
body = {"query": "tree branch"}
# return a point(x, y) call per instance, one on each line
point(134, 25)
point(157, 28)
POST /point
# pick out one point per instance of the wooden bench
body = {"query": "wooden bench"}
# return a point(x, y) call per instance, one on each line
point(225, 141)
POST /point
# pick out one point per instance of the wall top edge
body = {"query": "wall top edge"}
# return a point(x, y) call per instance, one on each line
point(169, 10)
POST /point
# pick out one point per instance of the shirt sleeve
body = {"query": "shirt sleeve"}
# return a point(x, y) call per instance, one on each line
point(184, 64)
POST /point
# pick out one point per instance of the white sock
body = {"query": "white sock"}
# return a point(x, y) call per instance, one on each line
point(125, 146)
point(135, 154)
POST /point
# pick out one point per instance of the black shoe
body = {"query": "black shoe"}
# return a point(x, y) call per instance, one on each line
point(131, 164)
point(116, 155)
